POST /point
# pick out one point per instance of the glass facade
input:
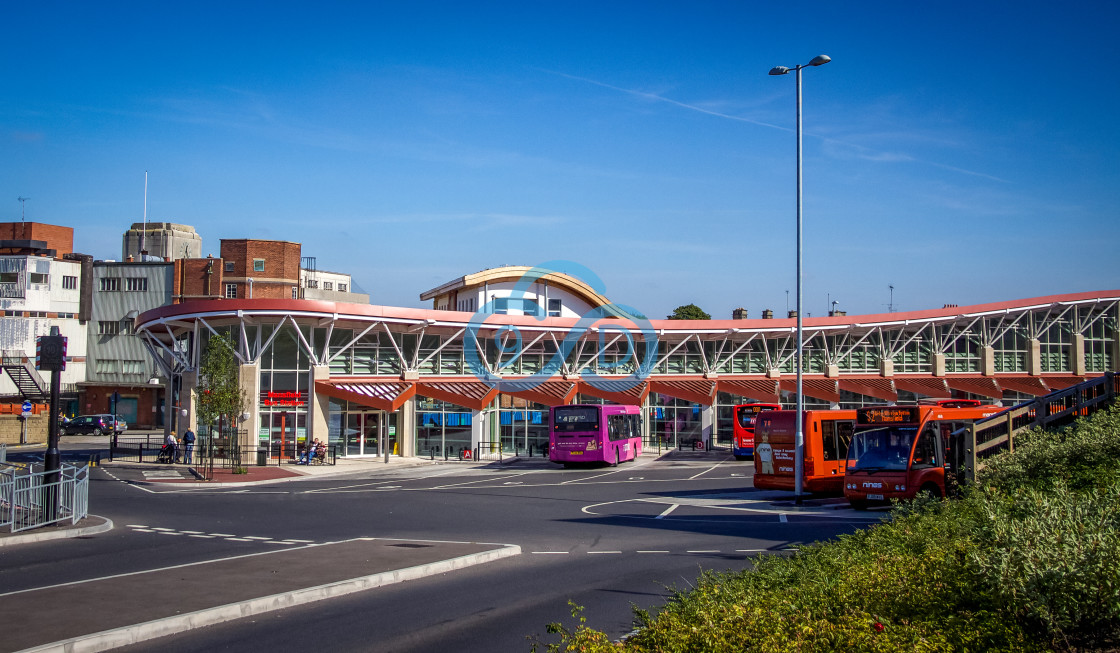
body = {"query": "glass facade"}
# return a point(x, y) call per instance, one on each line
point(1062, 335)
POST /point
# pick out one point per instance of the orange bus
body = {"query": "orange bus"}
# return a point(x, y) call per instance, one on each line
point(899, 451)
point(826, 437)
point(742, 442)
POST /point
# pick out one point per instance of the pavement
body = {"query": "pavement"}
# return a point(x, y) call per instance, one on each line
point(151, 603)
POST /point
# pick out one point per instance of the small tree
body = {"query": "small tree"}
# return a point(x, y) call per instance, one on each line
point(689, 312)
point(219, 388)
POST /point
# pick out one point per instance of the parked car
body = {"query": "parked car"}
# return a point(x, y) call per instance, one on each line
point(89, 424)
point(121, 425)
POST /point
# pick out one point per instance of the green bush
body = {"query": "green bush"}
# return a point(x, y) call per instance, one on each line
point(1028, 560)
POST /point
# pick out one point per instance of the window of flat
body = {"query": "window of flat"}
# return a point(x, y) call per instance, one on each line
point(258, 265)
point(295, 292)
point(231, 291)
point(9, 277)
point(341, 287)
point(229, 266)
point(132, 367)
point(327, 285)
point(312, 283)
point(107, 328)
point(109, 284)
point(554, 308)
point(39, 277)
point(108, 366)
point(136, 285)
point(69, 283)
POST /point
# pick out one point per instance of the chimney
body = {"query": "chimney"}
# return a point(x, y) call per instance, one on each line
point(768, 314)
point(739, 314)
point(792, 314)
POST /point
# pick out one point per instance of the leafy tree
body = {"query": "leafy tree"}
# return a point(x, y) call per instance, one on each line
point(219, 388)
point(689, 312)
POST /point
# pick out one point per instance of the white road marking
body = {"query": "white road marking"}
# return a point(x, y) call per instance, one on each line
point(691, 478)
point(542, 553)
point(704, 551)
point(782, 518)
point(651, 551)
point(668, 510)
point(599, 552)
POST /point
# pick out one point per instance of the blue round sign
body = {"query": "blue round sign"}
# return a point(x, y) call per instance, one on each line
point(26, 406)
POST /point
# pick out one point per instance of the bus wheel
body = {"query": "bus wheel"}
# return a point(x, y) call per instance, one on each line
point(615, 458)
point(858, 504)
point(930, 490)
point(742, 457)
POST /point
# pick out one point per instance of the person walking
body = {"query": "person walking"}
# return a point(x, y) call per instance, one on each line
point(188, 447)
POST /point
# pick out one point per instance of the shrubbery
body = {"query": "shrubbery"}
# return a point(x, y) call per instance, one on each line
point(1027, 560)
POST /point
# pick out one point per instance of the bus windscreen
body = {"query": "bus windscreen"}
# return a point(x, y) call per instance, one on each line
point(568, 419)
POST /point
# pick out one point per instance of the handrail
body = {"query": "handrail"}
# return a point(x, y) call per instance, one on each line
point(984, 438)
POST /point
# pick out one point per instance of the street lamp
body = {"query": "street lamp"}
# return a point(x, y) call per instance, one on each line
point(799, 438)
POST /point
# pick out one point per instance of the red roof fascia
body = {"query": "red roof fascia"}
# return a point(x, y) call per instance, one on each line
point(984, 386)
point(1029, 385)
point(818, 387)
point(387, 395)
point(635, 395)
point(468, 393)
point(923, 385)
point(764, 390)
point(877, 387)
point(1061, 381)
point(697, 391)
point(549, 393)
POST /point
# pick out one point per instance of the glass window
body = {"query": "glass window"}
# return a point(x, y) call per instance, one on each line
point(258, 265)
point(9, 277)
point(110, 284)
point(38, 277)
point(554, 308)
point(229, 266)
point(69, 283)
point(327, 285)
point(107, 328)
point(341, 287)
point(231, 291)
point(136, 285)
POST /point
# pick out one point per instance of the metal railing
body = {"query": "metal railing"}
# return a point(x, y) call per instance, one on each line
point(987, 437)
point(30, 499)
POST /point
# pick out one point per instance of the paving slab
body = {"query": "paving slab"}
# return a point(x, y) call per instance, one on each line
point(104, 613)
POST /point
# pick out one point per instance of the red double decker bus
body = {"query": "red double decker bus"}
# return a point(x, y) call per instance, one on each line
point(745, 415)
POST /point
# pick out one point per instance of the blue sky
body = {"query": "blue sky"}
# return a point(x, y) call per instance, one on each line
point(961, 152)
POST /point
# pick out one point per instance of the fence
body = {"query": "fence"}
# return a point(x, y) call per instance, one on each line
point(30, 499)
point(987, 437)
point(219, 451)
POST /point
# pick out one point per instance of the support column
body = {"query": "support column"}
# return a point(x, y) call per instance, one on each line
point(1077, 354)
point(1034, 357)
point(318, 406)
point(988, 360)
point(249, 378)
point(707, 419)
point(406, 427)
point(939, 364)
point(886, 367)
point(479, 428)
point(188, 401)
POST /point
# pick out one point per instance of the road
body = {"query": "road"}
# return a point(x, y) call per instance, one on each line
point(603, 538)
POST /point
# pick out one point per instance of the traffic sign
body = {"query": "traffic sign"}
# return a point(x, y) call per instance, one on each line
point(26, 406)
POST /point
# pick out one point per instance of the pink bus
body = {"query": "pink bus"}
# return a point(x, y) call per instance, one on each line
point(588, 433)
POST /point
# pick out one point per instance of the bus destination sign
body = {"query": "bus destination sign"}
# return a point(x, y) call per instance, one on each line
point(888, 415)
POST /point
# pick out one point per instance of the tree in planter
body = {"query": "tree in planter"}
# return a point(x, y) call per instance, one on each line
point(688, 312)
point(220, 397)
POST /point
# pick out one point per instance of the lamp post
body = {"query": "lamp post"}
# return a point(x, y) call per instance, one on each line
point(799, 437)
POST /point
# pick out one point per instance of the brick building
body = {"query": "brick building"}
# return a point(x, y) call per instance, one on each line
point(260, 269)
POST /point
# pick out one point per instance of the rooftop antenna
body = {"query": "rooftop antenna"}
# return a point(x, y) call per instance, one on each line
point(890, 306)
point(787, 301)
point(144, 252)
point(22, 208)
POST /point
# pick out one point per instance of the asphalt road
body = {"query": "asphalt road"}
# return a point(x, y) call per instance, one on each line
point(604, 538)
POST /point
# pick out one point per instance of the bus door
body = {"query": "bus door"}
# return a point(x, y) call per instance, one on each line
point(926, 471)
